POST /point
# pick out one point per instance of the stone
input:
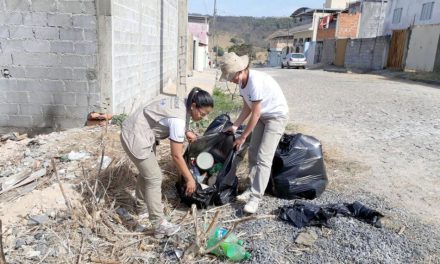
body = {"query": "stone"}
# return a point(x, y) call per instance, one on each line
point(307, 238)
point(19, 243)
point(38, 219)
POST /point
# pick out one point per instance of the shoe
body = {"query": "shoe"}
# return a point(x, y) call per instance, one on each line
point(166, 228)
point(245, 196)
point(252, 206)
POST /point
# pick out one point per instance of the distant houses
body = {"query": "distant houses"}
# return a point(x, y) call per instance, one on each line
point(198, 52)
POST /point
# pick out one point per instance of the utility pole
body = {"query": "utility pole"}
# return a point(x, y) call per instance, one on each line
point(214, 32)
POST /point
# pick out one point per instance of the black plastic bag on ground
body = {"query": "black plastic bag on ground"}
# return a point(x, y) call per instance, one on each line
point(306, 214)
point(298, 169)
point(220, 145)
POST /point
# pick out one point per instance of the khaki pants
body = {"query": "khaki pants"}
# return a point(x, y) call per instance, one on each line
point(265, 138)
point(149, 184)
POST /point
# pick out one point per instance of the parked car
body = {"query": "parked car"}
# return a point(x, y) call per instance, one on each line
point(297, 60)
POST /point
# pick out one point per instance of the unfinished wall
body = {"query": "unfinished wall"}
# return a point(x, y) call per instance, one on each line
point(145, 40)
point(422, 48)
point(368, 54)
point(328, 51)
point(326, 33)
point(49, 48)
point(372, 19)
point(347, 25)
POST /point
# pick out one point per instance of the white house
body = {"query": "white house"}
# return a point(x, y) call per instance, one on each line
point(402, 14)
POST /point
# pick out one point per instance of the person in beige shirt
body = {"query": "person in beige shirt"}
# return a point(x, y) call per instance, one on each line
point(167, 117)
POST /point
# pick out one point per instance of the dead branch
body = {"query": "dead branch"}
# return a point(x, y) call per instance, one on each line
point(248, 218)
point(104, 261)
point(2, 254)
point(80, 250)
point(68, 204)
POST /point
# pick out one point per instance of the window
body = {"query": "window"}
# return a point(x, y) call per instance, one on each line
point(427, 11)
point(397, 15)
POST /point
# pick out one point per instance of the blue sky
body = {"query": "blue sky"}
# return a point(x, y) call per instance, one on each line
point(256, 8)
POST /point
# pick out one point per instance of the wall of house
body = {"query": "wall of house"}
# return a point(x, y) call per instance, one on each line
point(372, 19)
point(326, 33)
point(328, 51)
point(145, 38)
point(370, 53)
point(347, 25)
point(412, 10)
point(422, 49)
point(50, 49)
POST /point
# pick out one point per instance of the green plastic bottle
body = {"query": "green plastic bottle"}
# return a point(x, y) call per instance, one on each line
point(235, 252)
point(231, 247)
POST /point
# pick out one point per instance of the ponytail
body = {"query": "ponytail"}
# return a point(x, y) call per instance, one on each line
point(199, 97)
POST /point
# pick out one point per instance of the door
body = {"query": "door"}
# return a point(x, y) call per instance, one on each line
point(398, 47)
point(341, 47)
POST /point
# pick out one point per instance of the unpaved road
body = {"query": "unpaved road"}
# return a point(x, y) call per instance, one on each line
point(380, 135)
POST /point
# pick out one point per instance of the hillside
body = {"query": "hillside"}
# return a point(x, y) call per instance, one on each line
point(251, 30)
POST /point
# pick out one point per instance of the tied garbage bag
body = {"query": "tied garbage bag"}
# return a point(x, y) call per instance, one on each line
point(306, 214)
point(220, 145)
point(298, 169)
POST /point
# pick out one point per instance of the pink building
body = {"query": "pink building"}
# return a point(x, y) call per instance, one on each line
point(198, 27)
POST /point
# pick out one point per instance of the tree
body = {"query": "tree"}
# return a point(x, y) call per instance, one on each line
point(220, 51)
point(242, 49)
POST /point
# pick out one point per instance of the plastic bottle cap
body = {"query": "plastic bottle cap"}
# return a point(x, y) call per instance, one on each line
point(205, 161)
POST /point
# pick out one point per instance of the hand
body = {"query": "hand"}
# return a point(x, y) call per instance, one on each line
point(191, 136)
point(232, 129)
point(190, 187)
point(239, 142)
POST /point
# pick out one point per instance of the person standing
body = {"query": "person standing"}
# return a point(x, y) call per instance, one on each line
point(167, 117)
point(265, 105)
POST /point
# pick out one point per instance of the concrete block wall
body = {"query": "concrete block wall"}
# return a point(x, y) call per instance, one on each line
point(328, 51)
point(368, 53)
point(49, 48)
point(145, 51)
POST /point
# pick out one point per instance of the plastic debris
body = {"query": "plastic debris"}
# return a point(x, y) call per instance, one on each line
point(73, 155)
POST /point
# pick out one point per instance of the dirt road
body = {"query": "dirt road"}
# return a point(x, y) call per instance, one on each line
point(380, 135)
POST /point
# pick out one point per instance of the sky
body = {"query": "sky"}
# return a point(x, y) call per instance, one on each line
point(255, 8)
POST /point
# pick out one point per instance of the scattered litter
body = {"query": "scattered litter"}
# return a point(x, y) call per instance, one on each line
point(38, 219)
point(13, 136)
point(306, 238)
point(73, 155)
point(20, 179)
point(106, 161)
point(306, 214)
point(231, 247)
point(100, 119)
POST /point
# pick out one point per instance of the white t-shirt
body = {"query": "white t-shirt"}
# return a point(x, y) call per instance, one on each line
point(262, 87)
point(177, 128)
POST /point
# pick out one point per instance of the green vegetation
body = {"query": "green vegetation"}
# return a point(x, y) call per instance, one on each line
point(118, 119)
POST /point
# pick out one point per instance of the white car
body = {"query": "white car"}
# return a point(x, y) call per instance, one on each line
point(296, 60)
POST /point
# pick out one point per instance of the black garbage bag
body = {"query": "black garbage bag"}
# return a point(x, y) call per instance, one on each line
point(306, 214)
point(298, 169)
point(220, 145)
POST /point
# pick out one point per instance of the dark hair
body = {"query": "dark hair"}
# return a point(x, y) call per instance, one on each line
point(200, 97)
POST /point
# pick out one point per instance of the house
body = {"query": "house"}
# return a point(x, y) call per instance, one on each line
point(415, 29)
point(63, 59)
point(402, 14)
point(198, 27)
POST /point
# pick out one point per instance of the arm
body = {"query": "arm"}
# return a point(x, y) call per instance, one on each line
point(177, 155)
point(253, 120)
point(245, 111)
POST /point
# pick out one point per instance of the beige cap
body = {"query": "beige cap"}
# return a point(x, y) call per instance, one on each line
point(231, 64)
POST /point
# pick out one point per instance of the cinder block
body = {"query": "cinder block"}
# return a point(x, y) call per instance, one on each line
point(90, 35)
point(47, 33)
point(71, 34)
point(76, 86)
point(18, 5)
point(52, 86)
point(72, 60)
point(87, 99)
point(90, 8)
point(61, 46)
point(9, 109)
point(16, 72)
point(86, 48)
point(35, 19)
point(36, 45)
point(4, 32)
point(59, 20)
point(84, 21)
point(90, 61)
point(21, 32)
point(9, 45)
point(79, 112)
point(43, 5)
point(94, 87)
point(54, 110)
point(72, 7)
point(20, 121)
point(35, 59)
point(42, 98)
point(36, 72)
point(8, 85)
point(4, 119)
point(65, 98)
point(80, 74)
point(30, 109)
point(66, 123)
point(5, 59)
point(60, 74)
point(17, 97)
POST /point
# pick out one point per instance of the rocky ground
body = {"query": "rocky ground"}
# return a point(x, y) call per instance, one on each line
point(380, 138)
